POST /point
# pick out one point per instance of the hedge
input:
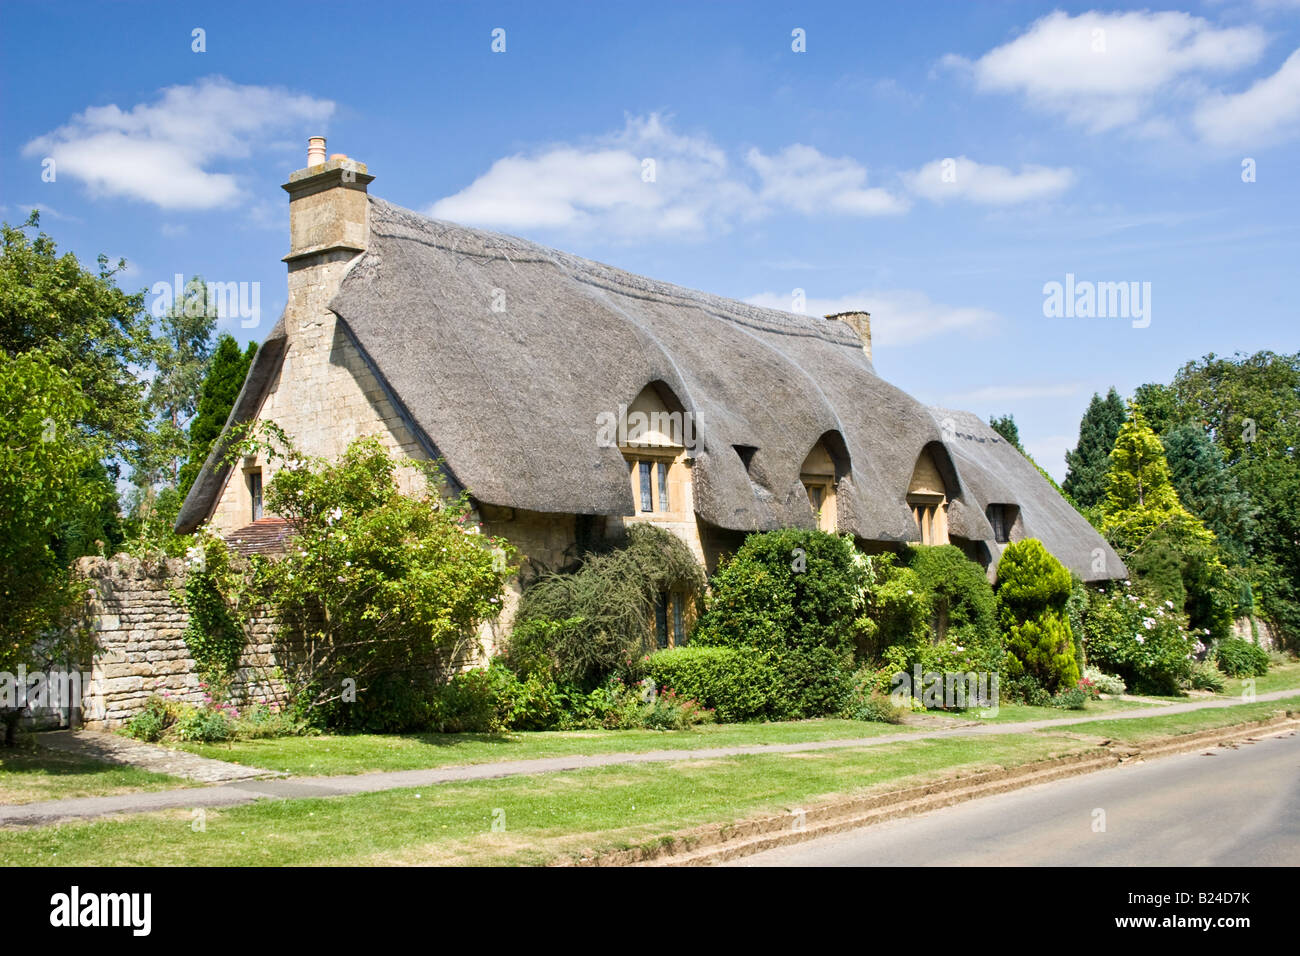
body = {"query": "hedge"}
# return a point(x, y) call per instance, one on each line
point(736, 684)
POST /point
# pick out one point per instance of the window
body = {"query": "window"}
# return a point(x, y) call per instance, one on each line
point(663, 487)
point(927, 496)
point(930, 519)
point(647, 492)
point(661, 619)
point(820, 473)
point(255, 492)
point(679, 630)
point(1002, 518)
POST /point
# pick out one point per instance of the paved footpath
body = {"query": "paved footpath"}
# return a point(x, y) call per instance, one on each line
point(114, 748)
point(238, 792)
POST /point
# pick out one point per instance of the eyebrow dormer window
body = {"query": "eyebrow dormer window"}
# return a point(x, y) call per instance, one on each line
point(819, 475)
point(1002, 519)
point(655, 456)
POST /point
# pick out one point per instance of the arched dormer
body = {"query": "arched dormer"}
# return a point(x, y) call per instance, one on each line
point(656, 436)
point(826, 463)
point(928, 494)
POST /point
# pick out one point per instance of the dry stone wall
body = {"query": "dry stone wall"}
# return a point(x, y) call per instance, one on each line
point(136, 610)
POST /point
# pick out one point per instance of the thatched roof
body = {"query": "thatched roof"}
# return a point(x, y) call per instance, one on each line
point(511, 398)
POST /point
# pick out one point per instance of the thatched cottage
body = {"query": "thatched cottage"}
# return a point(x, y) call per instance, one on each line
point(571, 399)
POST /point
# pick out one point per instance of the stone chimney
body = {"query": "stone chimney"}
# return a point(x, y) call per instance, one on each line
point(328, 227)
point(859, 322)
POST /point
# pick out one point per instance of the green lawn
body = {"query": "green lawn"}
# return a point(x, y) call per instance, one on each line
point(1279, 677)
point(545, 817)
point(1139, 729)
point(361, 753)
point(559, 815)
point(29, 773)
point(1015, 713)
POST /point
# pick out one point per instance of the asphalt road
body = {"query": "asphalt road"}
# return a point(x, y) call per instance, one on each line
point(1236, 808)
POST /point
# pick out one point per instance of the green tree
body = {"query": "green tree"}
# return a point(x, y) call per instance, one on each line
point(1006, 427)
point(1087, 464)
point(83, 324)
point(45, 458)
point(225, 377)
point(180, 353)
point(1250, 406)
point(1163, 543)
point(1140, 494)
point(1208, 488)
point(1159, 406)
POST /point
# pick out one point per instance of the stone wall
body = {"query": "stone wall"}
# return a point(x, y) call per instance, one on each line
point(136, 611)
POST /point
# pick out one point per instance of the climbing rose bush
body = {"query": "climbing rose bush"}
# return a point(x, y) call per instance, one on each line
point(1144, 641)
point(376, 586)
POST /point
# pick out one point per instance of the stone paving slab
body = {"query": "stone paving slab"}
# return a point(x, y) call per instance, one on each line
point(247, 790)
point(113, 748)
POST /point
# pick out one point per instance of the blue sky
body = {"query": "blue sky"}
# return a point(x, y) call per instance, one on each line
point(937, 164)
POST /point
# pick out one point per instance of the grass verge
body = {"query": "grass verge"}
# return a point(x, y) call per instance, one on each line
point(532, 820)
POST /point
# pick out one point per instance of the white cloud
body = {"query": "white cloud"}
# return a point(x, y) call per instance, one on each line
point(1106, 70)
point(801, 178)
point(605, 184)
point(163, 152)
point(898, 317)
point(963, 178)
point(1268, 111)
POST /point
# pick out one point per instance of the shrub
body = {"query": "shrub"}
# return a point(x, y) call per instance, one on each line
point(1238, 658)
point(204, 724)
point(1033, 588)
point(212, 636)
point(1030, 581)
point(153, 721)
point(376, 586)
point(1074, 698)
point(671, 711)
point(1207, 676)
point(867, 702)
point(962, 605)
point(736, 684)
point(261, 720)
point(1103, 682)
point(896, 609)
point(583, 626)
point(483, 700)
point(1025, 689)
point(795, 597)
point(1142, 641)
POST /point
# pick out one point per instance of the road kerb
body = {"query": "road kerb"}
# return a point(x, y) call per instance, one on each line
point(716, 843)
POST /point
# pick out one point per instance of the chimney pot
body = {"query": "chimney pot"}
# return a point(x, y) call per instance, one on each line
point(316, 151)
point(338, 156)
